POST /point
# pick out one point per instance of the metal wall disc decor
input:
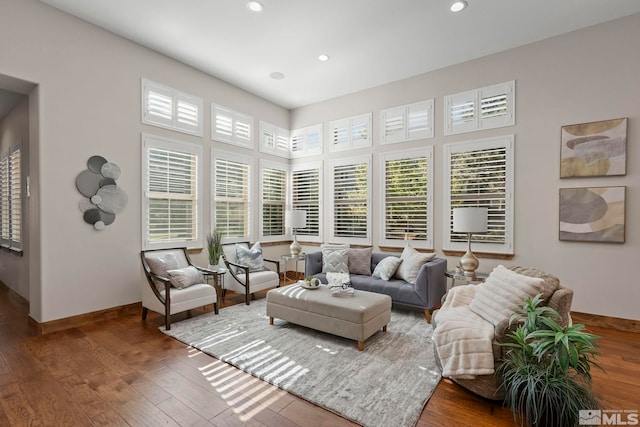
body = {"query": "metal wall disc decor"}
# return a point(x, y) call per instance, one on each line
point(103, 198)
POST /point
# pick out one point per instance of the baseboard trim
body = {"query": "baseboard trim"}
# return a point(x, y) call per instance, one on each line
point(83, 319)
point(626, 325)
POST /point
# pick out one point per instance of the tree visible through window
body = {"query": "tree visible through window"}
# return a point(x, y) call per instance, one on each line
point(231, 197)
point(351, 200)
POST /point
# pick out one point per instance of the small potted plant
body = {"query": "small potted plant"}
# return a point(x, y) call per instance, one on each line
point(214, 246)
point(312, 281)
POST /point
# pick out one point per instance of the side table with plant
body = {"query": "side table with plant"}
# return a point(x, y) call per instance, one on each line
point(546, 373)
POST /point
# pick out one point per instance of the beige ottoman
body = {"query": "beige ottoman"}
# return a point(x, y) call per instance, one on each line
point(357, 317)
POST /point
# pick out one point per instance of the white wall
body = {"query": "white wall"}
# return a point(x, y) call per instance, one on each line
point(89, 104)
point(588, 75)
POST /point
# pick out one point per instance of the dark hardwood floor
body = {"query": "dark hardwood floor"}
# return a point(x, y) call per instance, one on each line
point(124, 372)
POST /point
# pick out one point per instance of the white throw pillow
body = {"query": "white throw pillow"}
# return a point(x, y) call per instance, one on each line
point(185, 277)
point(252, 257)
point(412, 261)
point(386, 268)
point(336, 279)
point(336, 261)
point(502, 294)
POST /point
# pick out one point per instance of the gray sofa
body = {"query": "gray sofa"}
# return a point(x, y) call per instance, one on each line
point(426, 294)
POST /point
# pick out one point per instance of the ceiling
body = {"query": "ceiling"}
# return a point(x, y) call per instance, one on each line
point(370, 42)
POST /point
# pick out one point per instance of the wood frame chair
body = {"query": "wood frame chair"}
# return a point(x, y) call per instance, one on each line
point(160, 296)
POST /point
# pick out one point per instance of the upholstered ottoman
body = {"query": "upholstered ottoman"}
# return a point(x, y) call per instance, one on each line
point(357, 317)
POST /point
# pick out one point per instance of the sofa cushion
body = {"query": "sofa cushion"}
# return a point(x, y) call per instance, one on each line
point(252, 257)
point(412, 261)
point(387, 268)
point(184, 277)
point(335, 261)
point(359, 261)
point(502, 294)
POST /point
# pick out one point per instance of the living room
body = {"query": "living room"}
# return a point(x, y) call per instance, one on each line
point(83, 86)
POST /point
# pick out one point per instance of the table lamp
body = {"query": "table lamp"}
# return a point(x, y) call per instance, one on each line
point(295, 220)
point(470, 221)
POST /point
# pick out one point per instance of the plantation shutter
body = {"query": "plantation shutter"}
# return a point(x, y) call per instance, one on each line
point(407, 123)
point(172, 196)
point(16, 198)
point(350, 205)
point(169, 108)
point(350, 133)
point(305, 189)
point(274, 198)
point(405, 198)
point(231, 126)
point(274, 140)
point(6, 200)
point(393, 122)
point(232, 198)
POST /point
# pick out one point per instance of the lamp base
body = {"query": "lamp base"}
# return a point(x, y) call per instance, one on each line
point(469, 263)
point(295, 248)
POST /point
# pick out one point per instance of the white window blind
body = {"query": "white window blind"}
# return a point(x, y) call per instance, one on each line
point(407, 187)
point(231, 184)
point(306, 191)
point(407, 123)
point(6, 201)
point(231, 126)
point(274, 140)
point(306, 141)
point(351, 208)
point(171, 176)
point(485, 108)
point(350, 133)
point(170, 108)
point(273, 193)
point(15, 189)
point(480, 174)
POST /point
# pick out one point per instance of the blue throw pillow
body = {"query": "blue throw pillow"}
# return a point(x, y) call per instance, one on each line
point(252, 258)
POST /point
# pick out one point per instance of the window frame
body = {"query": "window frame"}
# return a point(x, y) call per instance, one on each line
point(280, 136)
point(238, 121)
point(176, 96)
point(295, 204)
point(427, 153)
point(279, 166)
point(303, 135)
point(499, 142)
point(404, 133)
point(167, 144)
point(347, 126)
point(11, 200)
point(356, 160)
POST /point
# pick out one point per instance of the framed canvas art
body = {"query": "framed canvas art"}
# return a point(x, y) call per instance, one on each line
point(592, 214)
point(594, 149)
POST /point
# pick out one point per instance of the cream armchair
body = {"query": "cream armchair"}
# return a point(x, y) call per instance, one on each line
point(245, 281)
point(159, 295)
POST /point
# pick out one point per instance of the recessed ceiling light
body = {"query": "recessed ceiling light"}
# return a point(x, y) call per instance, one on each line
point(324, 57)
point(277, 75)
point(458, 6)
point(255, 6)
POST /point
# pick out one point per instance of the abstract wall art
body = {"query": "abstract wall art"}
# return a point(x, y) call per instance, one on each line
point(592, 214)
point(594, 149)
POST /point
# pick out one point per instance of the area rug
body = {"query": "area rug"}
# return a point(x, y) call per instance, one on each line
point(386, 384)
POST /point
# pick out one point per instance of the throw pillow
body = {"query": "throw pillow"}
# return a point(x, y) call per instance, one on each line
point(335, 261)
point(502, 294)
point(334, 246)
point(160, 265)
point(412, 262)
point(551, 282)
point(337, 279)
point(251, 257)
point(185, 277)
point(359, 261)
point(386, 268)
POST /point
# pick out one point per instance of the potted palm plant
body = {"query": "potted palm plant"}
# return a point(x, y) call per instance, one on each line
point(546, 372)
point(214, 246)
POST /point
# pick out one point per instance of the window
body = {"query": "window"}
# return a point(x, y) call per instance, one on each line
point(407, 188)
point(486, 108)
point(169, 108)
point(274, 140)
point(407, 122)
point(351, 181)
point(273, 200)
point(231, 126)
point(480, 174)
point(231, 195)
point(11, 200)
point(306, 141)
point(306, 191)
point(171, 176)
point(350, 133)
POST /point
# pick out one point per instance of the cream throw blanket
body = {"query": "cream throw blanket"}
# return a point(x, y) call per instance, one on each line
point(471, 314)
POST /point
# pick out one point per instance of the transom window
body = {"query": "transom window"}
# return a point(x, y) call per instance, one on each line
point(170, 108)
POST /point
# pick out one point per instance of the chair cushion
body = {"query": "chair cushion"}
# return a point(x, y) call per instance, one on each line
point(196, 292)
point(185, 277)
point(251, 257)
point(387, 268)
point(335, 261)
point(359, 261)
point(412, 262)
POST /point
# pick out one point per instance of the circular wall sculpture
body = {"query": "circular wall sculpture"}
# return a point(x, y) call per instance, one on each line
point(103, 198)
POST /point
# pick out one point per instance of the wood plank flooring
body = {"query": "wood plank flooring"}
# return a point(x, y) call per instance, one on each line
point(125, 372)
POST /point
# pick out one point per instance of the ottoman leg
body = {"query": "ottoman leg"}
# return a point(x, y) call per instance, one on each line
point(360, 345)
point(384, 328)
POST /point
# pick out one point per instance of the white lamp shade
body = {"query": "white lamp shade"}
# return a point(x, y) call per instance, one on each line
point(295, 219)
point(470, 220)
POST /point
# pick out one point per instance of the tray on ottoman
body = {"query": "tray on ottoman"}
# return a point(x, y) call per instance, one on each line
point(356, 318)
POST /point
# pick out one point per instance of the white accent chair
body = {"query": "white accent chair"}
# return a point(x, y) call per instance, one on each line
point(160, 296)
point(242, 280)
